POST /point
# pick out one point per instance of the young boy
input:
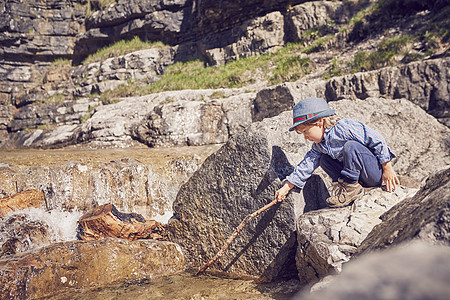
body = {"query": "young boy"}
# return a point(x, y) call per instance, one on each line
point(351, 153)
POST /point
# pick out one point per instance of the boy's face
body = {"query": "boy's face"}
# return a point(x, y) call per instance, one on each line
point(313, 133)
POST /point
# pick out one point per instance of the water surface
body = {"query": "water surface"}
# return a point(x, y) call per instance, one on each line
point(185, 286)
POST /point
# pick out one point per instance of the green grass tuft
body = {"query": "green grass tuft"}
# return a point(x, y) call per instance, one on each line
point(121, 48)
point(383, 56)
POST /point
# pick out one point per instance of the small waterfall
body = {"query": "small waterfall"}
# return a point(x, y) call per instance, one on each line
point(33, 228)
point(62, 223)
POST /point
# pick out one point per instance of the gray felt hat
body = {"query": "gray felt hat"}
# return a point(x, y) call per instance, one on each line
point(310, 109)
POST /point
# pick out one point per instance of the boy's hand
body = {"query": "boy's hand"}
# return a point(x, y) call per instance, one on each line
point(280, 195)
point(389, 177)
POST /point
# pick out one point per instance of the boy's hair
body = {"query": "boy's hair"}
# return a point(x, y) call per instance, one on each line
point(329, 121)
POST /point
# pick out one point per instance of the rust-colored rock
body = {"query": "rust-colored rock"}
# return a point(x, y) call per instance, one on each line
point(106, 221)
point(30, 198)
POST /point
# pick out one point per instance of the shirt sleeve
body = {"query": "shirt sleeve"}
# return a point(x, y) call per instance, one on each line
point(371, 139)
point(305, 168)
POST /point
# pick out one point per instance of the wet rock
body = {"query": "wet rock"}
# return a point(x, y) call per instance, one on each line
point(81, 180)
point(18, 234)
point(29, 198)
point(328, 238)
point(413, 271)
point(424, 216)
point(106, 221)
point(82, 265)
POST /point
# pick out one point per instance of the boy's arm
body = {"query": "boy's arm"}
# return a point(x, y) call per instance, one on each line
point(280, 195)
point(389, 176)
point(302, 172)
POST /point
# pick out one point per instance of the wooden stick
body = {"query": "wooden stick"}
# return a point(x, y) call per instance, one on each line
point(233, 236)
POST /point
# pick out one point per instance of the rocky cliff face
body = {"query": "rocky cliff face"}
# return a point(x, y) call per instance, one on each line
point(35, 34)
point(32, 35)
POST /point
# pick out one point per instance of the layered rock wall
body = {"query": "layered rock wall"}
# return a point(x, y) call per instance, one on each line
point(36, 34)
point(81, 184)
point(199, 117)
point(33, 34)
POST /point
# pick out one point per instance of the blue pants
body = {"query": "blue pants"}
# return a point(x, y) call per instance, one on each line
point(359, 164)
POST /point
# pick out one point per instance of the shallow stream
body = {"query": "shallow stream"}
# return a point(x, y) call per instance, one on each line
point(185, 286)
point(61, 227)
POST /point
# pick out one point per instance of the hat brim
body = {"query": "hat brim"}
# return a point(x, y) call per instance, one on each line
point(327, 113)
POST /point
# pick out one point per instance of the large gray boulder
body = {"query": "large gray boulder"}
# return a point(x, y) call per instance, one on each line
point(201, 122)
point(235, 181)
point(413, 271)
point(244, 174)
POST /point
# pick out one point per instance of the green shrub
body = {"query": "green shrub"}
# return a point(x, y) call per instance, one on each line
point(336, 69)
point(382, 57)
point(61, 62)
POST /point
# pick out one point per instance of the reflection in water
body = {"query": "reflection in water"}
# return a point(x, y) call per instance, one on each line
point(186, 286)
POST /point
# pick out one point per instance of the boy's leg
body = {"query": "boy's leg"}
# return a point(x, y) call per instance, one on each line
point(331, 166)
point(360, 164)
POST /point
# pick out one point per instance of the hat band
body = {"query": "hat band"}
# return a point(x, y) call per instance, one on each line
point(307, 117)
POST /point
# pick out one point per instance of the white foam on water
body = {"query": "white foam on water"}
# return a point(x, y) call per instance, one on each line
point(163, 218)
point(62, 223)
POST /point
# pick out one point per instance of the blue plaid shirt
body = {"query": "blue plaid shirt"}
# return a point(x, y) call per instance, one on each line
point(332, 144)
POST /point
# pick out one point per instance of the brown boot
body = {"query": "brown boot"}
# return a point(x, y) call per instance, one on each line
point(344, 193)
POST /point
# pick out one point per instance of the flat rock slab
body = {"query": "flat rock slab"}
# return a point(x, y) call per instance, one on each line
point(86, 265)
point(329, 237)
